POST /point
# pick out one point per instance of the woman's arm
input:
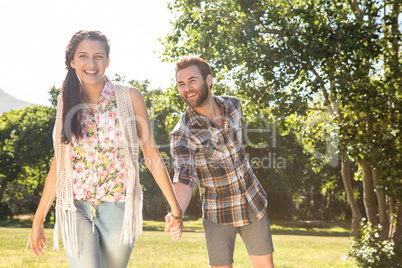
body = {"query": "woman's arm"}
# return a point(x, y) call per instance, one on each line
point(183, 194)
point(153, 159)
point(37, 238)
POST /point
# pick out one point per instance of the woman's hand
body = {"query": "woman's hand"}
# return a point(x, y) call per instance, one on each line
point(174, 226)
point(37, 239)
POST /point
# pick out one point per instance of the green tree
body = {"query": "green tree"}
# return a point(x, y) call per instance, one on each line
point(54, 92)
point(26, 142)
point(299, 56)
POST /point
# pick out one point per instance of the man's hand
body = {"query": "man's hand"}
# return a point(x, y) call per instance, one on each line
point(174, 226)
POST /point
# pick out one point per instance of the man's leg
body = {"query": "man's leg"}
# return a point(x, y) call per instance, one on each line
point(265, 261)
point(220, 243)
point(258, 240)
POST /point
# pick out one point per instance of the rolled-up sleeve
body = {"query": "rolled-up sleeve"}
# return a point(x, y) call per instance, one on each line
point(182, 149)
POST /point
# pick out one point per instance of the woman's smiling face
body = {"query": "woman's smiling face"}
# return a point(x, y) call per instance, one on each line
point(90, 62)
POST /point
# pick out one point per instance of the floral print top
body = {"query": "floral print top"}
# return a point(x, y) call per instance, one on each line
point(99, 172)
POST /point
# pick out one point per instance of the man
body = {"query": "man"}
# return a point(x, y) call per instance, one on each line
point(208, 150)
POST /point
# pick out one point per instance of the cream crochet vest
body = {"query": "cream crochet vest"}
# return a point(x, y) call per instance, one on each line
point(65, 209)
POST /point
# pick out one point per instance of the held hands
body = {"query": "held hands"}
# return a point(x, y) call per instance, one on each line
point(38, 240)
point(174, 226)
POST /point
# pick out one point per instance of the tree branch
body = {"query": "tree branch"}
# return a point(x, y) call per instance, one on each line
point(355, 8)
point(290, 4)
point(316, 109)
point(272, 31)
point(322, 84)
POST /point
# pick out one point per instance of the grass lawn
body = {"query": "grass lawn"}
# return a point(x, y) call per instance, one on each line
point(294, 247)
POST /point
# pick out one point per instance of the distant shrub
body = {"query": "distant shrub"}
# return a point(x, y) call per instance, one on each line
point(5, 211)
point(369, 250)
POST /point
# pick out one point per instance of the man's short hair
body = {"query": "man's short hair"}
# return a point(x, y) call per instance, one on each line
point(188, 61)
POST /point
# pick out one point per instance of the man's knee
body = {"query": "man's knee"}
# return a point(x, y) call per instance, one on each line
point(264, 261)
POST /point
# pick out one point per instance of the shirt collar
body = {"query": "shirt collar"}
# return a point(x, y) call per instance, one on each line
point(107, 93)
point(195, 118)
point(108, 90)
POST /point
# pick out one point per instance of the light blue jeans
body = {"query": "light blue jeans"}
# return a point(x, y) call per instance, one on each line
point(102, 249)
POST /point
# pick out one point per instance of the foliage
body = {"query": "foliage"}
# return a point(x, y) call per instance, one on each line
point(26, 150)
point(54, 93)
point(300, 58)
point(369, 251)
point(294, 55)
point(287, 172)
point(5, 211)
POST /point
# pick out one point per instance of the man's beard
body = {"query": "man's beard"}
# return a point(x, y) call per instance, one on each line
point(204, 92)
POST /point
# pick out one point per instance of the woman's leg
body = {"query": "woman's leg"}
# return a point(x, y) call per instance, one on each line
point(109, 223)
point(88, 243)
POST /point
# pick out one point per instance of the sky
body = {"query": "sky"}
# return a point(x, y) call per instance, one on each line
point(34, 35)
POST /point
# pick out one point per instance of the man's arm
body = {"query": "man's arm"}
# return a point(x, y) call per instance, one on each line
point(183, 194)
point(182, 150)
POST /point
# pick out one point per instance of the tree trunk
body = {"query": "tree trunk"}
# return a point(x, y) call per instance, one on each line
point(382, 205)
point(369, 197)
point(397, 237)
point(3, 185)
point(391, 211)
point(356, 215)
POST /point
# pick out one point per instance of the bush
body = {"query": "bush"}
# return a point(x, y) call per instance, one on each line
point(5, 211)
point(369, 250)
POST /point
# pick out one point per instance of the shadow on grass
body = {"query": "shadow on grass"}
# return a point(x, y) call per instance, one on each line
point(161, 229)
point(21, 223)
point(310, 232)
point(189, 226)
point(339, 229)
point(335, 229)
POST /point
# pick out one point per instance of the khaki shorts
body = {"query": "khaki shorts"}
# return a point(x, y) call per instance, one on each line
point(221, 239)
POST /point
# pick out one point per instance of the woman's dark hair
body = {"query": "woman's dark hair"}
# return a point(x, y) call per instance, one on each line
point(71, 89)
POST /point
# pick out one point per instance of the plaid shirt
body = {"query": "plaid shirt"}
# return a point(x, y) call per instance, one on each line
point(214, 158)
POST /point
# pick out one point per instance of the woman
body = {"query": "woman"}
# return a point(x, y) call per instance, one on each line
point(94, 173)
